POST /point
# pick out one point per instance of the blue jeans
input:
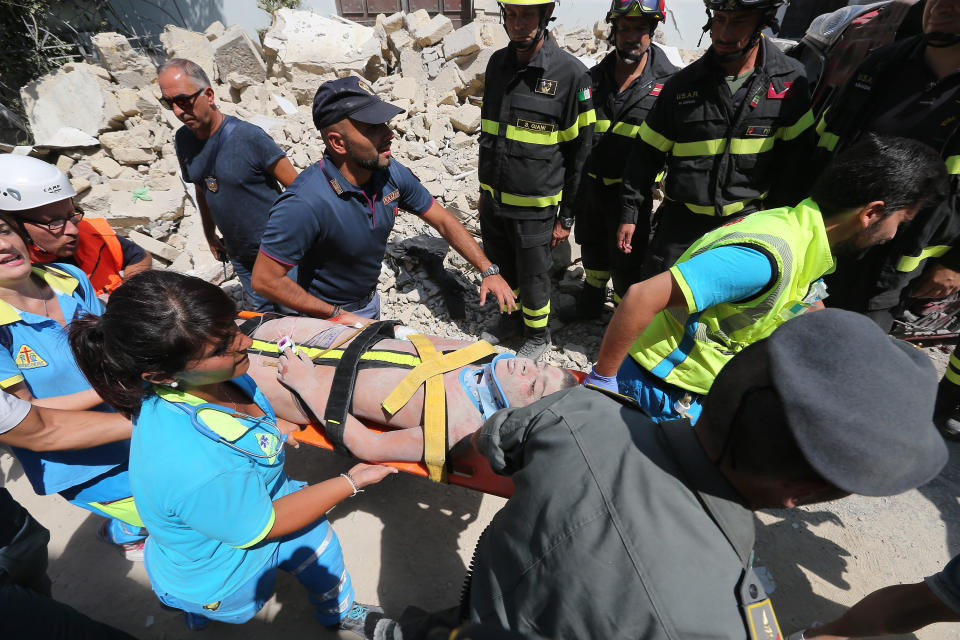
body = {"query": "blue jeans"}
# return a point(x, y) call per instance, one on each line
point(657, 397)
point(312, 555)
point(365, 309)
point(253, 301)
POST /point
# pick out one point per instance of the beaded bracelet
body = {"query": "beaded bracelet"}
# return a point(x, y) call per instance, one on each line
point(353, 483)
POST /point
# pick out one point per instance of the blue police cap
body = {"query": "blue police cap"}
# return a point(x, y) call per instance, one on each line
point(352, 98)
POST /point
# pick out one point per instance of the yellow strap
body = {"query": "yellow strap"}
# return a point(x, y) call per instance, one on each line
point(123, 509)
point(401, 395)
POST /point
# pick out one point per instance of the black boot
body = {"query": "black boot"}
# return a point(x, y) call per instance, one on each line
point(536, 343)
point(508, 326)
point(946, 411)
point(589, 305)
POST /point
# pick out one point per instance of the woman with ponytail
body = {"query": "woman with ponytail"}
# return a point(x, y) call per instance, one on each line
point(37, 304)
point(206, 457)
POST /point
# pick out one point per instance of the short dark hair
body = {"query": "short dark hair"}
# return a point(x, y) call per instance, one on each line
point(189, 68)
point(155, 322)
point(901, 172)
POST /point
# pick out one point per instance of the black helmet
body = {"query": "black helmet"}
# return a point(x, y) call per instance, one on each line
point(653, 10)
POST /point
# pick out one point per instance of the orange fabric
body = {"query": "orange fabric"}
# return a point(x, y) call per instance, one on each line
point(99, 254)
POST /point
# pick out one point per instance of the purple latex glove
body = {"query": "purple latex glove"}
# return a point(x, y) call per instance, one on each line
point(604, 382)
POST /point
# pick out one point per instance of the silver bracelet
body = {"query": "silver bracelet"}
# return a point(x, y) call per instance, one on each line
point(353, 483)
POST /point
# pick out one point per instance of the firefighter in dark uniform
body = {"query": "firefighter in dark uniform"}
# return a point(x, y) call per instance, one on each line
point(909, 88)
point(625, 85)
point(537, 124)
point(734, 130)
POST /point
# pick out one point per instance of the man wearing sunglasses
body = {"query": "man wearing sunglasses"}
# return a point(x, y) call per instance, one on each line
point(40, 195)
point(732, 129)
point(235, 167)
point(625, 85)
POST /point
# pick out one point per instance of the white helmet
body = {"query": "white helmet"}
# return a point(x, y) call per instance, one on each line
point(27, 182)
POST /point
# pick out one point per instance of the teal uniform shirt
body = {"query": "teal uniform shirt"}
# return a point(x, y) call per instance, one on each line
point(207, 506)
point(35, 350)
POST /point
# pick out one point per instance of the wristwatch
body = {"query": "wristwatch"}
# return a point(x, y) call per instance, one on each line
point(492, 270)
point(566, 223)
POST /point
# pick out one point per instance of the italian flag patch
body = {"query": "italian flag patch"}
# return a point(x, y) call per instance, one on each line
point(584, 94)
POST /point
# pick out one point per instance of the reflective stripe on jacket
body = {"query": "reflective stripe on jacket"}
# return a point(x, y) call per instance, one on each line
point(723, 159)
point(688, 349)
point(535, 132)
point(99, 254)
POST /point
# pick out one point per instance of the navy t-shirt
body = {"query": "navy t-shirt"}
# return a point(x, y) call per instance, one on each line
point(245, 187)
point(336, 232)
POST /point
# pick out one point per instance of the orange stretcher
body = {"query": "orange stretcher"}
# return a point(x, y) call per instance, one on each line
point(467, 468)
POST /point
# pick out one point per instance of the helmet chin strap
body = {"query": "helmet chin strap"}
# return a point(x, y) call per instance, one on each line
point(941, 39)
point(631, 58)
point(541, 30)
point(739, 53)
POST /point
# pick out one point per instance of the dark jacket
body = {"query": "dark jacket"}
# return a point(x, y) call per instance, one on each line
point(876, 280)
point(722, 159)
point(535, 132)
point(605, 523)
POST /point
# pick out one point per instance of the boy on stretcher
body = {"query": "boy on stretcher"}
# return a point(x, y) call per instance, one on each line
point(389, 388)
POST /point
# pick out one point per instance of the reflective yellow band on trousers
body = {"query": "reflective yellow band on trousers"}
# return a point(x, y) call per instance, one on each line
point(909, 263)
point(827, 140)
point(123, 509)
point(524, 201)
point(536, 318)
point(597, 278)
point(953, 165)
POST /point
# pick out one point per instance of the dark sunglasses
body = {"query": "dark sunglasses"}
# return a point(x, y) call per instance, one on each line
point(56, 226)
point(184, 102)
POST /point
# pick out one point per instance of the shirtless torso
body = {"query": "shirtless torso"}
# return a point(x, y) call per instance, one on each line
point(523, 382)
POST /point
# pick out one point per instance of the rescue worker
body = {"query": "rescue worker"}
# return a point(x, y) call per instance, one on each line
point(536, 128)
point(733, 129)
point(41, 197)
point(738, 283)
point(621, 528)
point(909, 88)
point(625, 85)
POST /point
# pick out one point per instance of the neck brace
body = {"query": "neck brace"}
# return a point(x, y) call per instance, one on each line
point(482, 387)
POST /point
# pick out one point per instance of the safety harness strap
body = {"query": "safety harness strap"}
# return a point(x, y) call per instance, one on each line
point(345, 377)
point(428, 369)
point(434, 411)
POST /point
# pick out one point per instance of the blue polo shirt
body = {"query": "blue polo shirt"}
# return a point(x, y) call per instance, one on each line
point(337, 232)
point(35, 350)
point(206, 505)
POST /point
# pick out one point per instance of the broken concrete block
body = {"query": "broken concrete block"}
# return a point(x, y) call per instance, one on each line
point(238, 60)
point(72, 99)
point(303, 42)
point(129, 67)
point(182, 43)
point(107, 167)
point(80, 185)
point(494, 35)
point(413, 20)
point(411, 65)
point(463, 41)
point(433, 31)
point(444, 88)
point(96, 201)
point(466, 118)
point(65, 163)
point(136, 137)
point(214, 31)
point(407, 89)
point(392, 22)
point(160, 249)
point(398, 41)
point(125, 213)
point(127, 101)
point(460, 139)
point(473, 71)
point(133, 156)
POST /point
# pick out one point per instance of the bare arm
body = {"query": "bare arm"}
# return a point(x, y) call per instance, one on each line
point(301, 508)
point(209, 227)
point(134, 268)
point(270, 279)
point(896, 609)
point(463, 243)
point(55, 430)
point(643, 301)
point(78, 401)
point(283, 171)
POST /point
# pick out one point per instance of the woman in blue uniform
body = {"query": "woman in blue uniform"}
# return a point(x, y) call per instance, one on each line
point(206, 457)
point(37, 304)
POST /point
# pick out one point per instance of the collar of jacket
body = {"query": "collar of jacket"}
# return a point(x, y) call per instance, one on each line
point(770, 60)
point(541, 59)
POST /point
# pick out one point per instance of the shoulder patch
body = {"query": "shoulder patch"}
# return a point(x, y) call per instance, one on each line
point(27, 358)
point(584, 94)
point(863, 81)
point(390, 197)
point(657, 88)
point(773, 94)
point(687, 97)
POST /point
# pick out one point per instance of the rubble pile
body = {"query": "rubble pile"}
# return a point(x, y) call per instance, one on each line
point(112, 137)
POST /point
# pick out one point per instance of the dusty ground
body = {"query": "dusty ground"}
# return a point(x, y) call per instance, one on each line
point(408, 542)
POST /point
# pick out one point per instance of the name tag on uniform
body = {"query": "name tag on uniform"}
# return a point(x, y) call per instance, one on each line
point(211, 183)
point(390, 197)
point(758, 132)
point(546, 87)
point(532, 125)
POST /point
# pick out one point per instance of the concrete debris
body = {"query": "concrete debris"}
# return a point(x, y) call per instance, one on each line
point(118, 149)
